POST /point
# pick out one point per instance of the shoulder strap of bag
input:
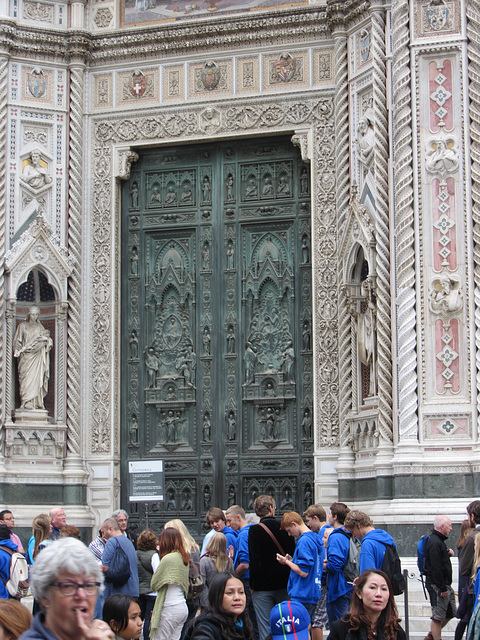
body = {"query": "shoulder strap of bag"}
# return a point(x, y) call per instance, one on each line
point(279, 546)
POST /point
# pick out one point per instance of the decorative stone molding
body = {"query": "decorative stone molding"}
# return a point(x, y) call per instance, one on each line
point(259, 117)
point(38, 248)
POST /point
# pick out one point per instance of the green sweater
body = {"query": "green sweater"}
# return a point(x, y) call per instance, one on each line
point(170, 571)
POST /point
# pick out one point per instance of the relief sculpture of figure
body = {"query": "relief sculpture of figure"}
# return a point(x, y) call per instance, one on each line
point(231, 426)
point(35, 174)
point(31, 345)
point(250, 360)
point(152, 365)
point(442, 159)
point(288, 360)
point(448, 299)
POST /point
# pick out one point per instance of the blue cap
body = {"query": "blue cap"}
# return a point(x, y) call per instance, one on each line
point(289, 620)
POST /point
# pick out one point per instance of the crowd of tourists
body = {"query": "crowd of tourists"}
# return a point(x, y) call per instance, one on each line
point(255, 577)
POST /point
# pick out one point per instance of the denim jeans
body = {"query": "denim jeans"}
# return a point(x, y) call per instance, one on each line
point(263, 602)
point(338, 607)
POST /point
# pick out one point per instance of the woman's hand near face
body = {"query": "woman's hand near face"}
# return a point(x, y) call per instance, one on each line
point(96, 630)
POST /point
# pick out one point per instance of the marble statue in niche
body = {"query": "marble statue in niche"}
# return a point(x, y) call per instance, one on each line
point(34, 173)
point(31, 346)
point(366, 334)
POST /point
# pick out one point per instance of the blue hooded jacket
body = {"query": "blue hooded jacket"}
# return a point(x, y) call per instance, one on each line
point(309, 556)
point(338, 547)
point(373, 549)
point(5, 565)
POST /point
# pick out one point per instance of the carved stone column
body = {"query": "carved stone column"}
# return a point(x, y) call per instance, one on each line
point(9, 386)
point(405, 234)
point(3, 218)
point(342, 172)
point(473, 33)
point(61, 350)
point(78, 48)
point(382, 199)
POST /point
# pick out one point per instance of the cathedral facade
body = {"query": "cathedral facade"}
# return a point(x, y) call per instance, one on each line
point(240, 238)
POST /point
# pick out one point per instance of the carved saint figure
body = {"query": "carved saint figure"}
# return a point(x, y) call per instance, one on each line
point(152, 365)
point(442, 159)
point(31, 345)
point(171, 195)
point(230, 255)
point(206, 339)
point(134, 195)
point(307, 425)
point(251, 190)
point(288, 360)
point(250, 360)
point(366, 138)
point(283, 186)
point(171, 427)
point(305, 250)
point(35, 174)
point(306, 336)
point(366, 335)
point(206, 189)
point(287, 502)
point(134, 430)
point(267, 189)
point(229, 185)
point(207, 427)
point(231, 426)
point(133, 345)
point(230, 339)
point(191, 359)
point(134, 262)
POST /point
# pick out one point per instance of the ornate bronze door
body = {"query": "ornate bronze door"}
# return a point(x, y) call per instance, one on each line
point(216, 326)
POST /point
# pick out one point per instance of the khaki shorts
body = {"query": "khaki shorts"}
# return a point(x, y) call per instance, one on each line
point(443, 608)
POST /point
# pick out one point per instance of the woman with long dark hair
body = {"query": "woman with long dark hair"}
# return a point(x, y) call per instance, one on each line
point(373, 613)
point(170, 581)
point(226, 616)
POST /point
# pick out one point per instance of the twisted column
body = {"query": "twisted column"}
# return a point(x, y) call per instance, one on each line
point(342, 173)
point(404, 224)
point(75, 250)
point(4, 355)
point(473, 37)
point(384, 327)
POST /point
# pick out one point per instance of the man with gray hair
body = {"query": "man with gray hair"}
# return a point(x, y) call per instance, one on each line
point(111, 532)
point(121, 516)
point(438, 573)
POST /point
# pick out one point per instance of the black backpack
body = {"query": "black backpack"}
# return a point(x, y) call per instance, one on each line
point(391, 565)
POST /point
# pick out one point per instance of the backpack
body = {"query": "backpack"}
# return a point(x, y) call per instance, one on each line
point(195, 580)
point(351, 568)
point(421, 560)
point(18, 583)
point(119, 568)
point(421, 554)
point(392, 567)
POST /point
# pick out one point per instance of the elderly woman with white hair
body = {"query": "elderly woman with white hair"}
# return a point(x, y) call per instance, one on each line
point(66, 581)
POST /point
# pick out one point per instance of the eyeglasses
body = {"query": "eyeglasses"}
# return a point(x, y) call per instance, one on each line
point(70, 589)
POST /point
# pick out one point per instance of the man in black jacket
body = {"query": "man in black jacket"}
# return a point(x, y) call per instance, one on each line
point(465, 566)
point(268, 578)
point(438, 572)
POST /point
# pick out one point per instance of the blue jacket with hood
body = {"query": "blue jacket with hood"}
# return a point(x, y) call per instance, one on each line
point(373, 549)
point(5, 565)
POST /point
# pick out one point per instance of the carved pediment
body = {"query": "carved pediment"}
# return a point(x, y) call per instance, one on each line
point(359, 230)
point(38, 248)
